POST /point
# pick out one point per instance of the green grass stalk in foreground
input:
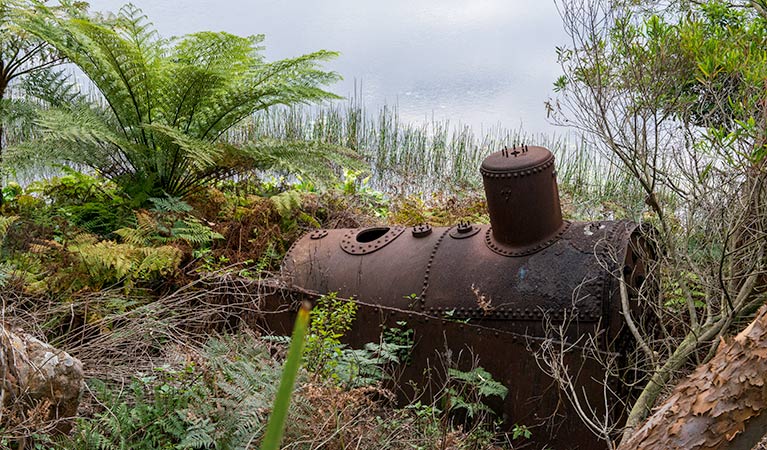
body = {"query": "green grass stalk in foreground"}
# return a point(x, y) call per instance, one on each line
point(276, 424)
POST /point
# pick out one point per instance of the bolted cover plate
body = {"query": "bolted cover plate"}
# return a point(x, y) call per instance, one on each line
point(516, 160)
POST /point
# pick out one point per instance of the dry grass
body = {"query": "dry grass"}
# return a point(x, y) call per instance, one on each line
point(172, 330)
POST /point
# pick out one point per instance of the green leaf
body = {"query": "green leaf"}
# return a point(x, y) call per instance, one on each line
point(274, 430)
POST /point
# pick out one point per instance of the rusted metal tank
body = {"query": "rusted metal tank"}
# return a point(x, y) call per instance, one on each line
point(485, 292)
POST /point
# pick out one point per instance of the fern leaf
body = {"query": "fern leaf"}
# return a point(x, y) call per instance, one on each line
point(316, 161)
point(170, 204)
point(78, 135)
point(198, 154)
point(142, 234)
point(287, 202)
point(157, 261)
point(5, 225)
point(167, 104)
point(53, 87)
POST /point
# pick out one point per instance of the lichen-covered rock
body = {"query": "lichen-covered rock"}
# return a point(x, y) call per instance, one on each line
point(34, 373)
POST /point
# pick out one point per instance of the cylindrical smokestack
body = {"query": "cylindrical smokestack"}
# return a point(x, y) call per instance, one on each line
point(522, 199)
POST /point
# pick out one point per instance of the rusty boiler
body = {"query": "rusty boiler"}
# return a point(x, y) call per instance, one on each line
point(483, 294)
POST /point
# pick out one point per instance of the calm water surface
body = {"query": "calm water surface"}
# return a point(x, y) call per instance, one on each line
point(483, 63)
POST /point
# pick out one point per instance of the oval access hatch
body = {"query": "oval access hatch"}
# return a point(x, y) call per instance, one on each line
point(367, 240)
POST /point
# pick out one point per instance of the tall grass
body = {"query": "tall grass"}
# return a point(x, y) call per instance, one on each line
point(432, 155)
point(405, 157)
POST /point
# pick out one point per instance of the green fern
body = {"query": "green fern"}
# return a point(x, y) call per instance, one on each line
point(53, 87)
point(200, 434)
point(5, 224)
point(279, 340)
point(367, 366)
point(470, 390)
point(194, 232)
point(109, 262)
point(287, 203)
point(168, 222)
point(235, 415)
point(143, 234)
point(167, 104)
point(170, 204)
point(146, 416)
point(313, 160)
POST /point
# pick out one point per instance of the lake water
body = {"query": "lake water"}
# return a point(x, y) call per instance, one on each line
point(483, 63)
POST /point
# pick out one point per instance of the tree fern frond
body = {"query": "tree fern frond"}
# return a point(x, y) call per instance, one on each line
point(313, 160)
point(196, 153)
point(169, 102)
point(78, 135)
point(53, 87)
point(84, 52)
point(282, 82)
point(18, 116)
point(126, 73)
point(136, 28)
point(205, 65)
point(82, 125)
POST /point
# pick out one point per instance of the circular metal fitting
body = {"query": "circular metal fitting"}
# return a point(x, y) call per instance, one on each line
point(318, 234)
point(505, 250)
point(421, 230)
point(463, 230)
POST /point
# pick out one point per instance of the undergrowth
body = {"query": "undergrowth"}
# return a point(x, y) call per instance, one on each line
point(145, 298)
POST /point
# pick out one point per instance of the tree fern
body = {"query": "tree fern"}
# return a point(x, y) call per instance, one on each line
point(167, 103)
point(53, 87)
point(21, 55)
point(311, 159)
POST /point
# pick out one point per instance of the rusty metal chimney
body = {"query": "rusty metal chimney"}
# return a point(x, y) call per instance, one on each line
point(522, 199)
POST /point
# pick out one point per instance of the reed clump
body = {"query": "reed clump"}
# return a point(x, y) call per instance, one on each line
point(439, 156)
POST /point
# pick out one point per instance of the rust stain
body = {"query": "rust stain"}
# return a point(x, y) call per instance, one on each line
point(489, 288)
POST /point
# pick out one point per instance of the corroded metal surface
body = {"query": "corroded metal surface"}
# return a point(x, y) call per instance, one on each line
point(368, 240)
point(485, 291)
point(522, 199)
point(447, 275)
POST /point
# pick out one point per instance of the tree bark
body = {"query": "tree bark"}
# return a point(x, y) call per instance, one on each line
point(721, 405)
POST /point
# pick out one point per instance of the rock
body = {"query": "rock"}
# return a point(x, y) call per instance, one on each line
point(37, 375)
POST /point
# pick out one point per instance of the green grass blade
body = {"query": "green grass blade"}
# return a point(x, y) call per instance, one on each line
point(276, 424)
